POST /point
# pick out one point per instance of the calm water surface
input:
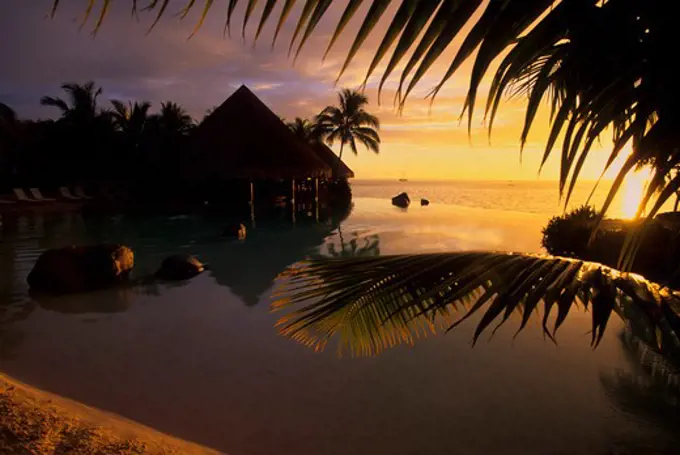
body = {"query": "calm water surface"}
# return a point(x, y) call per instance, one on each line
point(202, 361)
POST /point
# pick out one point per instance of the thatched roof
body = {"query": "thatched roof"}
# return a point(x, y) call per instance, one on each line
point(243, 138)
point(331, 159)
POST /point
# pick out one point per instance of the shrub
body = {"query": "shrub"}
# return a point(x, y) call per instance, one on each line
point(568, 234)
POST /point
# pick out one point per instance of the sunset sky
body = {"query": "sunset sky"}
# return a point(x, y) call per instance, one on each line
point(39, 54)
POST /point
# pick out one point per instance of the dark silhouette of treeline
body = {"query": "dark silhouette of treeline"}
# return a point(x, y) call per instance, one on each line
point(124, 144)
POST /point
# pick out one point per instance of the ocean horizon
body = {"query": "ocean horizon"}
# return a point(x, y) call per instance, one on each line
point(526, 196)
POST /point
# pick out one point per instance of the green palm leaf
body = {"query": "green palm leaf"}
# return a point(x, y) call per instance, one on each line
point(318, 12)
point(266, 12)
point(367, 304)
point(287, 7)
point(374, 14)
point(347, 15)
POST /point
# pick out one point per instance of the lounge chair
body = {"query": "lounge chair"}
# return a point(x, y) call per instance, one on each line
point(21, 195)
point(66, 194)
point(35, 192)
point(6, 202)
point(80, 193)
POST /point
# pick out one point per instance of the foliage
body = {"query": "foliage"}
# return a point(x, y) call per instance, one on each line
point(304, 129)
point(371, 303)
point(568, 234)
point(650, 388)
point(571, 235)
point(89, 143)
point(601, 65)
point(348, 123)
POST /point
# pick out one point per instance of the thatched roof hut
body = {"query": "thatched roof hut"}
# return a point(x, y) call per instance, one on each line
point(331, 159)
point(243, 138)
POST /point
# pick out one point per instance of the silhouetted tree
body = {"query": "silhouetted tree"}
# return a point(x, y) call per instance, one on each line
point(304, 129)
point(131, 120)
point(349, 123)
point(174, 120)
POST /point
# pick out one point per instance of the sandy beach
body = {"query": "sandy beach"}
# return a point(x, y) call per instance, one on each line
point(37, 422)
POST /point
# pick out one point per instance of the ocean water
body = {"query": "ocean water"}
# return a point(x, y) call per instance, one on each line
point(538, 197)
point(202, 359)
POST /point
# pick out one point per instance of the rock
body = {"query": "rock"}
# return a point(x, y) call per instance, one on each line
point(235, 231)
point(424, 202)
point(178, 267)
point(401, 200)
point(79, 269)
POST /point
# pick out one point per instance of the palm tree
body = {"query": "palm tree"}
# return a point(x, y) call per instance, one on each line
point(304, 129)
point(81, 105)
point(174, 120)
point(131, 119)
point(349, 123)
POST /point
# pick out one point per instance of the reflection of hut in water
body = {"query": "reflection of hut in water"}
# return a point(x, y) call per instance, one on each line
point(249, 268)
point(245, 153)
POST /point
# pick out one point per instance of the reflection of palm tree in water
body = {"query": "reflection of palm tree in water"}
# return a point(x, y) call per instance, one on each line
point(371, 246)
point(650, 391)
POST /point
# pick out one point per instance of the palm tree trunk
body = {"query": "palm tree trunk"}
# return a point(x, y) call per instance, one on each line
point(337, 163)
point(677, 201)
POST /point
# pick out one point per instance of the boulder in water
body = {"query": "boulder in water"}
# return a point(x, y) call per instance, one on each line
point(402, 200)
point(234, 231)
point(424, 202)
point(79, 269)
point(178, 267)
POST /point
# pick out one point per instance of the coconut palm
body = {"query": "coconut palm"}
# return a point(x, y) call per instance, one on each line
point(81, 105)
point(174, 120)
point(131, 120)
point(304, 129)
point(348, 124)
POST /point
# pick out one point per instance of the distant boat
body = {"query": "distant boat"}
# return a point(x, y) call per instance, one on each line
point(403, 180)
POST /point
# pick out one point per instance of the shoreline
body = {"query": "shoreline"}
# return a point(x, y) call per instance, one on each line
point(36, 421)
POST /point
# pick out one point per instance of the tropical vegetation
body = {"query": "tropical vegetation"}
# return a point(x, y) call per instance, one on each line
point(346, 123)
point(91, 141)
point(571, 235)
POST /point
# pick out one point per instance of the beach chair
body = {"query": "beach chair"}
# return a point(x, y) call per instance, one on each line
point(66, 194)
point(80, 193)
point(35, 192)
point(21, 195)
point(6, 202)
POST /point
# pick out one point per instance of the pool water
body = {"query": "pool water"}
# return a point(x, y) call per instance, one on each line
point(202, 360)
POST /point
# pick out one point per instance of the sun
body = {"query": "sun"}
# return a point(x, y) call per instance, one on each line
point(633, 190)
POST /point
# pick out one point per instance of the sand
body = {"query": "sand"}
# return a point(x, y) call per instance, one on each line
point(36, 422)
